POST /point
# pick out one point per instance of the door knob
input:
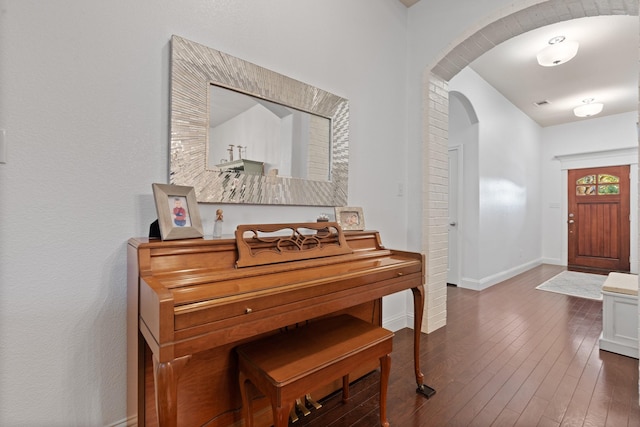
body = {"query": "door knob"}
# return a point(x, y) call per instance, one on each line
point(452, 223)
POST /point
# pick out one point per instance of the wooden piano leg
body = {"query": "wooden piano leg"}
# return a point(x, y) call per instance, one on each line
point(247, 410)
point(281, 413)
point(385, 367)
point(345, 388)
point(418, 307)
point(166, 386)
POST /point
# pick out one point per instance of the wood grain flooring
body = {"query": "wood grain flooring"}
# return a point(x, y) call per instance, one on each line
point(510, 355)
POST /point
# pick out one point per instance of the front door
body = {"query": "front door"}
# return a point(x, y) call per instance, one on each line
point(598, 222)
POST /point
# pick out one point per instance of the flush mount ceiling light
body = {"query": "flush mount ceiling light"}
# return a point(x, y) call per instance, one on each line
point(588, 108)
point(558, 52)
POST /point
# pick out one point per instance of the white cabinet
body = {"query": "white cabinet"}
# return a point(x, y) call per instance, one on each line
point(620, 314)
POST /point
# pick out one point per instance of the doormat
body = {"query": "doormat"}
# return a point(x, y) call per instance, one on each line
point(575, 284)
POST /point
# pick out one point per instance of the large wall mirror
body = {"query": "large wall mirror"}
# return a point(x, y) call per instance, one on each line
point(243, 134)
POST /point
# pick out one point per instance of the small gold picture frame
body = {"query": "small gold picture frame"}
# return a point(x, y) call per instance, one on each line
point(350, 218)
point(178, 213)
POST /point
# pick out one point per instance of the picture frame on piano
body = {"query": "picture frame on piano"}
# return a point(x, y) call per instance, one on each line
point(178, 212)
point(350, 218)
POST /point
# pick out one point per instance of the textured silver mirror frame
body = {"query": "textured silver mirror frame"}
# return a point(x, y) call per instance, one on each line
point(193, 68)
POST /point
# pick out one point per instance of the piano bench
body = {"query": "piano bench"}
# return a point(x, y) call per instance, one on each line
point(290, 364)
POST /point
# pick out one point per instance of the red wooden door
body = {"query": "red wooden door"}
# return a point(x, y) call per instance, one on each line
point(598, 222)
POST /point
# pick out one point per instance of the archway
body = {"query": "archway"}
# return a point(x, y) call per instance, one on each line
point(463, 189)
point(505, 25)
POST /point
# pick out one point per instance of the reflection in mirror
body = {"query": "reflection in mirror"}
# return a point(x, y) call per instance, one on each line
point(302, 175)
point(261, 137)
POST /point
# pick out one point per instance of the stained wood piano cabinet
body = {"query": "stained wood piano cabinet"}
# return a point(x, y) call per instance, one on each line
point(191, 302)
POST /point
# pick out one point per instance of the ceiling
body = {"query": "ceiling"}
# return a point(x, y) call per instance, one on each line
point(605, 68)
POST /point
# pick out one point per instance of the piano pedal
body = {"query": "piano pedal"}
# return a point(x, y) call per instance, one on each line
point(293, 415)
point(303, 409)
point(310, 401)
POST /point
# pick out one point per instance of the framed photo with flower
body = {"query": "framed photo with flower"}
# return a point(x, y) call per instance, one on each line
point(178, 213)
point(350, 218)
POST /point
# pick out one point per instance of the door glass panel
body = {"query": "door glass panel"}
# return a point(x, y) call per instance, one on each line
point(605, 185)
point(607, 179)
point(608, 189)
point(585, 190)
point(589, 179)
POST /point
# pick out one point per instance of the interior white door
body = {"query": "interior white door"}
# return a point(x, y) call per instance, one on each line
point(453, 267)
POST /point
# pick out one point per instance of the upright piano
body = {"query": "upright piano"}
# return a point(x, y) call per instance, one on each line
point(190, 302)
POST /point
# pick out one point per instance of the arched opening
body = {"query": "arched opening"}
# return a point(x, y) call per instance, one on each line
point(463, 189)
point(435, 133)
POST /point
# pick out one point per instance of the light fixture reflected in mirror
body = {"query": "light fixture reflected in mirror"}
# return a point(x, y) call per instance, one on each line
point(558, 52)
point(588, 108)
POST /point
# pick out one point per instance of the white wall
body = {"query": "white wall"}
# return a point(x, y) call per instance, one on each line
point(432, 33)
point(255, 124)
point(508, 173)
point(84, 91)
point(601, 134)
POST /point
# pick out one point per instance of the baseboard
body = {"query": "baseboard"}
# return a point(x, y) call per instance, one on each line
point(486, 282)
point(398, 322)
point(467, 283)
point(132, 421)
point(554, 261)
point(619, 348)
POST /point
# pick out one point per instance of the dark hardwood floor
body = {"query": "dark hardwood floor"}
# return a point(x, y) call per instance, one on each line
point(510, 355)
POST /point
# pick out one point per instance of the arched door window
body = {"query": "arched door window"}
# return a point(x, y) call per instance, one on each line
point(600, 185)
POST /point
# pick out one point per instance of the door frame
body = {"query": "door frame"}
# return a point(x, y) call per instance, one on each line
point(457, 265)
point(604, 158)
